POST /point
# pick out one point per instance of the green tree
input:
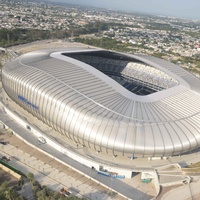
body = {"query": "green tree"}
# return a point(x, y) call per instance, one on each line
point(10, 194)
point(30, 176)
point(4, 186)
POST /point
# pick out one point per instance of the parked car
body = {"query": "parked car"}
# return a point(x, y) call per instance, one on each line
point(65, 192)
point(4, 158)
point(3, 142)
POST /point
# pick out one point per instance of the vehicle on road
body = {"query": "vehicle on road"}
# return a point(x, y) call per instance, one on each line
point(42, 140)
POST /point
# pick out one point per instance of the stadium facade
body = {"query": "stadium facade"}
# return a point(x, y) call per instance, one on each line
point(119, 104)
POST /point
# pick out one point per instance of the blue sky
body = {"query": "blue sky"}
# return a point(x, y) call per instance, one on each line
point(178, 8)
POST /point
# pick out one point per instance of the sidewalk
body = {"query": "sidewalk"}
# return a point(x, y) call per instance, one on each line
point(186, 192)
point(52, 177)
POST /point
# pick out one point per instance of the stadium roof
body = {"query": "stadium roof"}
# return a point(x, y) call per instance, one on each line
point(91, 108)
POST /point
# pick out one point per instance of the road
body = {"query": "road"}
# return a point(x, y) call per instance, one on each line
point(48, 171)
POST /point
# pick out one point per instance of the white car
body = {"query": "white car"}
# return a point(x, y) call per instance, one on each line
point(42, 140)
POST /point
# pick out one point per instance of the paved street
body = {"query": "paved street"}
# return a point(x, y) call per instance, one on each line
point(50, 172)
point(53, 174)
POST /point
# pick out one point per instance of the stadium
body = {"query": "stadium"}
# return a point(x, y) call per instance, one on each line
point(114, 103)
